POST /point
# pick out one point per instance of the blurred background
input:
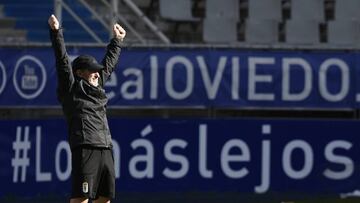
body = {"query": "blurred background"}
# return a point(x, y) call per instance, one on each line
point(211, 101)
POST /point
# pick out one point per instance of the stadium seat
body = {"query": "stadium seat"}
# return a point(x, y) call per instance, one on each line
point(262, 25)
point(222, 9)
point(220, 30)
point(177, 10)
point(345, 28)
point(344, 32)
point(308, 10)
point(221, 19)
point(347, 10)
point(262, 31)
point(300, 31)
point(265, 10)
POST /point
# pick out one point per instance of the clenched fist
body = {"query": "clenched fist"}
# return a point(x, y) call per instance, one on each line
point(53, 22)
point(119, 32)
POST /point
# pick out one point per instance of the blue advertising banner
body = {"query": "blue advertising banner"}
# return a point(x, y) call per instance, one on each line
point(247, 156)
point(194, 77)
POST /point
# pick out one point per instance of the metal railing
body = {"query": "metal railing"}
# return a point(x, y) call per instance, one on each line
point(147, 21)
point(116, 15)
point(82, 23)
point(113, 7)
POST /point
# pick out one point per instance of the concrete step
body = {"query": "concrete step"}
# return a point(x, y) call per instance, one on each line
point(2, 11)
point(12, 35)
point(5, 32)
point(7, 23)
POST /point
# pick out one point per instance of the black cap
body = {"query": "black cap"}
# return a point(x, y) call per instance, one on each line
point(86, 62)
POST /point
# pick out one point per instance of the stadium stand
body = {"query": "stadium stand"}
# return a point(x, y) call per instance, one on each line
point(30, 16)
point(243, 22)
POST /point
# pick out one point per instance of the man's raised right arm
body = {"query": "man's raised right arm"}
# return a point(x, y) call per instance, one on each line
point(63, 66)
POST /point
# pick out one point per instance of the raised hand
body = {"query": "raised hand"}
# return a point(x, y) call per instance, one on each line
point(53, 22)
point(119, 32)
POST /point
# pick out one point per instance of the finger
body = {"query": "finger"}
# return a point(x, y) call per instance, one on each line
point(53, 18)
point(118, 27)
point(122, 30)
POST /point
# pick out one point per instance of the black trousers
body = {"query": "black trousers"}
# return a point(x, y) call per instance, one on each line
point(93, 173)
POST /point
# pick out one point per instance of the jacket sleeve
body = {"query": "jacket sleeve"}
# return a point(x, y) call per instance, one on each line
point(63, 67)
point(110, 59)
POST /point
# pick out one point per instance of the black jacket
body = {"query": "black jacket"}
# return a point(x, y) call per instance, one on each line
point(84, 105)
